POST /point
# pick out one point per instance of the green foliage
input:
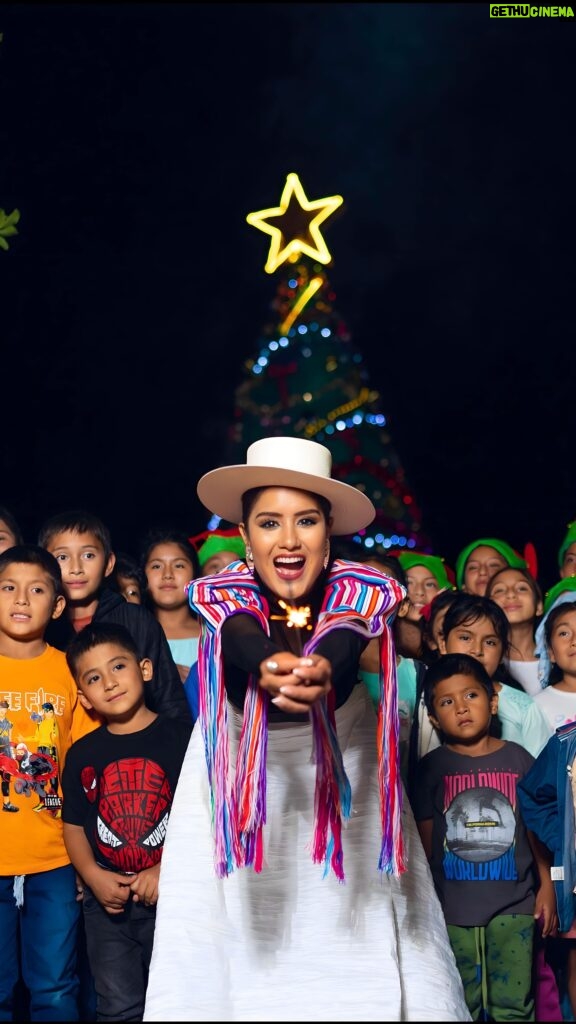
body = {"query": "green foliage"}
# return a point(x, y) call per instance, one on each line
point(7, 226)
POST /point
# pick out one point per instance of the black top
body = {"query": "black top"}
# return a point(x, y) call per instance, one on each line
point(245, 645)
point(165, 693)
point(120, 788)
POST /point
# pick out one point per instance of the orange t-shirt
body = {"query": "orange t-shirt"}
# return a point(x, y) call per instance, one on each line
point(40, 717)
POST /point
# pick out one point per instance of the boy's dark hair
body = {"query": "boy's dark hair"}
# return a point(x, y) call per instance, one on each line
point(33, 554)
point(77, 521)
point(468, 608)
point(8, 518)
point(95, 634)
point(167, 535)
point(449, 665)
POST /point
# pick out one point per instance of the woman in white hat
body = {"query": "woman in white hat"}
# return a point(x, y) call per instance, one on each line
point(293, 884)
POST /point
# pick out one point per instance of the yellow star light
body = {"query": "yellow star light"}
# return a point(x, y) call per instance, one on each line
point(298, 231)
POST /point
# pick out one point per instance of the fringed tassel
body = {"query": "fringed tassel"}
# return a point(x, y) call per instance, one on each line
point(333, 795)
point(249, 802)
point(214, 724)
point(392, 857)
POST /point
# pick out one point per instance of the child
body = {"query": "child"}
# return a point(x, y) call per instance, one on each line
point(433, 617)
point(478, 561)
point(218, 549)
point(128, 579)
point(169, 563)
point(477, 626)
point(118, 787)
point(10, 532)
point(547, 796)
point(518, 595)
point(426, 576)
point(567, 553)
point(40, 716)
point(492, 876)
point(558, 699)
point(81, 544)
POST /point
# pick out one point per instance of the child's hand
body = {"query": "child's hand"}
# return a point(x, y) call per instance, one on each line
point(144, 886)
point(545, 909)
point(111, 890)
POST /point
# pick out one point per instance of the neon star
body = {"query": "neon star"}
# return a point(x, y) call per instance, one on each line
point(298, 231)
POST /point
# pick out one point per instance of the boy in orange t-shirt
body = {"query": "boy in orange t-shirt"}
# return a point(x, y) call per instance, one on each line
point(39, 910)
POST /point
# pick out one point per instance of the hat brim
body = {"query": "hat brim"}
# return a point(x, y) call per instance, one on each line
point(221, 492)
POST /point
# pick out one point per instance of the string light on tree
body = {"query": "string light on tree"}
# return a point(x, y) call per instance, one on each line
point(307, 378)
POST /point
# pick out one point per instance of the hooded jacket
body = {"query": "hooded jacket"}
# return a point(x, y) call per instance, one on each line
point(165, 692)
point(546, 795)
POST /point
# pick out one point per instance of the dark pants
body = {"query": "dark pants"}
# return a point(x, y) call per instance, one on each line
point(119, 950)
point(40, 938)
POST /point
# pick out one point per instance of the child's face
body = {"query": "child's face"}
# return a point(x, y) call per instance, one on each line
point(562, 647)
point(7, 538)
point(422, 587)
point(168, 570)
point(27, 601)
point(82, 562)
point(111, 681)
point(568, 563)
point(462, 709)
point(479, 639)
point(482, 563)
point(512, 591)
point(218, 561)
point(130, 589)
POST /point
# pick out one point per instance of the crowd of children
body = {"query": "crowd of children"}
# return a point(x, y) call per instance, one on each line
point(98, 699)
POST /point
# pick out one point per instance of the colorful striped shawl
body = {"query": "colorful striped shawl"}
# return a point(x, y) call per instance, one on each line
point(357, 597)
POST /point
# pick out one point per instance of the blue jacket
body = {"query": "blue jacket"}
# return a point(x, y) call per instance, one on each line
point(547, 806)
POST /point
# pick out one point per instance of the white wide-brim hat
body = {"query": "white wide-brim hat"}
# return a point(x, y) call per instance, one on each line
point(286, 462)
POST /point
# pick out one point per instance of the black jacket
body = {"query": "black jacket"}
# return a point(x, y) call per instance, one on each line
point(164, 692)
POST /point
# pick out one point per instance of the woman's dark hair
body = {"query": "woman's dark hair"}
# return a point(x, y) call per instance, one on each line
point(249, 499)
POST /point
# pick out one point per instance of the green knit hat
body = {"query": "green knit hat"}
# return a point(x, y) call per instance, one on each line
point(569, 539)
point(433, 563)
point(221, 540)
point(514, 560)
point(562, 587)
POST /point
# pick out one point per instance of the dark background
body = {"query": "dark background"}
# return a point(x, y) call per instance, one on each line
point(135, 138)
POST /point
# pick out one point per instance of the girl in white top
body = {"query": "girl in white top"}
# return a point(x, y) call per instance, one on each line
point(520, 598)
point(558, 699)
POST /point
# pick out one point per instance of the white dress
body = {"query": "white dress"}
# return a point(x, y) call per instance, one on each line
point(289, 944)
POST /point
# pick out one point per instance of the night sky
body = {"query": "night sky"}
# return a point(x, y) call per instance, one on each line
point(135, 138)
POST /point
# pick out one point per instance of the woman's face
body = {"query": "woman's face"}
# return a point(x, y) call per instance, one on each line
point(288, 535)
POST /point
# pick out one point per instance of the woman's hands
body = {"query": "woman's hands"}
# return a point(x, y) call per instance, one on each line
point(295, 683)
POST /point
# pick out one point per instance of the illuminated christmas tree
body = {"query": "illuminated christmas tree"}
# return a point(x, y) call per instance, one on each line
point(309, 380)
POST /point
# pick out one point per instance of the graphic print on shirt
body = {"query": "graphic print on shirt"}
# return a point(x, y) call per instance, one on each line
point(134, 799)
point(24, 771)
point(479, 811)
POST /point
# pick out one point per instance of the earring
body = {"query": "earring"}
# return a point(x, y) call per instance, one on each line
point(327, 555)
point(249, 558)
